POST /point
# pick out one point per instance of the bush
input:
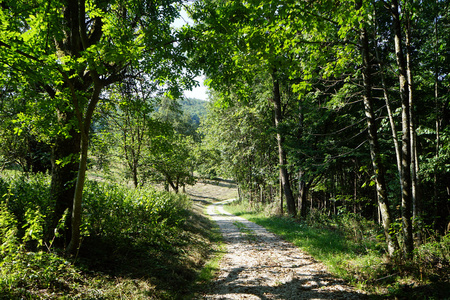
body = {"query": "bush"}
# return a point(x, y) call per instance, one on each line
point(136, 214)
point(128, 219)
point(27, 196)
point(360, 230)
point(22, 271)
point(433, 259)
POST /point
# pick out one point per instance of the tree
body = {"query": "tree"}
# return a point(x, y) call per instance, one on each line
point(241, 135)
point(314, 51)
point(171, 156)
point(243, 45)
point(372, 128)
point(71, 51)
point(406, 127)
point(131, 122)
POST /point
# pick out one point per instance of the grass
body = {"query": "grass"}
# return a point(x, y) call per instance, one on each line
point(211, 267)
point(137, 244)
point(250, 234)
point(204, 193)
point(350, 249)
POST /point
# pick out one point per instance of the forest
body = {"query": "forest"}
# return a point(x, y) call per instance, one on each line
point(319, 111)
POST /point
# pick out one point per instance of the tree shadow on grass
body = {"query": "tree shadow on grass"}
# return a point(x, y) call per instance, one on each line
point(204, 200)
point(221, 182)
point(168, 269)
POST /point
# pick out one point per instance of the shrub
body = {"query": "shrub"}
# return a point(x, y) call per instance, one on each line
point(8, 232)
point(433, 259)
point(22, 271)
point(141, 219)
point(137, 214)
point(26, 196)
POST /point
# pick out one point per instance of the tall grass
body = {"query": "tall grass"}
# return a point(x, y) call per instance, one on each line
point(137, 243)
point(135, 214)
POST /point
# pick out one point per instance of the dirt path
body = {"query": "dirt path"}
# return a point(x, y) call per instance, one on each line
point(260, 265)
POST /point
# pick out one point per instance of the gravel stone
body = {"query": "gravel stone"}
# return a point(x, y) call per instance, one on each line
point(261, 265)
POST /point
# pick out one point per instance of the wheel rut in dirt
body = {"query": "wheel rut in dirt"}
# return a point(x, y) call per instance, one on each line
point(261, 265)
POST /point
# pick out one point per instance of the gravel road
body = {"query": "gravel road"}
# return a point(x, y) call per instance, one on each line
point(260, 265)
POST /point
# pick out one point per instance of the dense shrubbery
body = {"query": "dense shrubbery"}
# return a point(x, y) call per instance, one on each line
point(117, 216)
point(27, 198)
point(137, 214)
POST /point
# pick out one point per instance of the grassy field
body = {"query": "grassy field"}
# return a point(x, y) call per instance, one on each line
point(208, 191)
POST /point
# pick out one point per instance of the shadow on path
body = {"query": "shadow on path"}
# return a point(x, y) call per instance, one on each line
point(260, 265)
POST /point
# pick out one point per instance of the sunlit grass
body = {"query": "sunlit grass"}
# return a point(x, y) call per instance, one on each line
point(212, 266)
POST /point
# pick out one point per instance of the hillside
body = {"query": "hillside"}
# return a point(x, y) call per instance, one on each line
point(196, 108)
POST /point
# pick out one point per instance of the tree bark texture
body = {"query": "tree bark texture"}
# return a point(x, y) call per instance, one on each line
point(377, 165)
point(406, 135)
point(285, 183)
point(62, 187)
point(302, 192)
point(415, 188)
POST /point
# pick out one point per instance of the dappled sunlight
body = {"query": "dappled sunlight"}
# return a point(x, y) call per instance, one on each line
point(260, 265)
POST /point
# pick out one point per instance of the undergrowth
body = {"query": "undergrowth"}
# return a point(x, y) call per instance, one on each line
point(353, 248)
point(137, 244)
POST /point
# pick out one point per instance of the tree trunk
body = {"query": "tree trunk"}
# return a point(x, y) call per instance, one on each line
point(84, 125)
point(285, 183)
point(415, 191)
point(261, 193)
point(239, 193)
point(281, 195)
point(62, 187)
point(135, 177)
point(66, 149)
point(389, 112)
point(77, 199)
point(438, 119)
point(378, 168)
point(302, 192)
point(406, 135)
point(172, 184)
